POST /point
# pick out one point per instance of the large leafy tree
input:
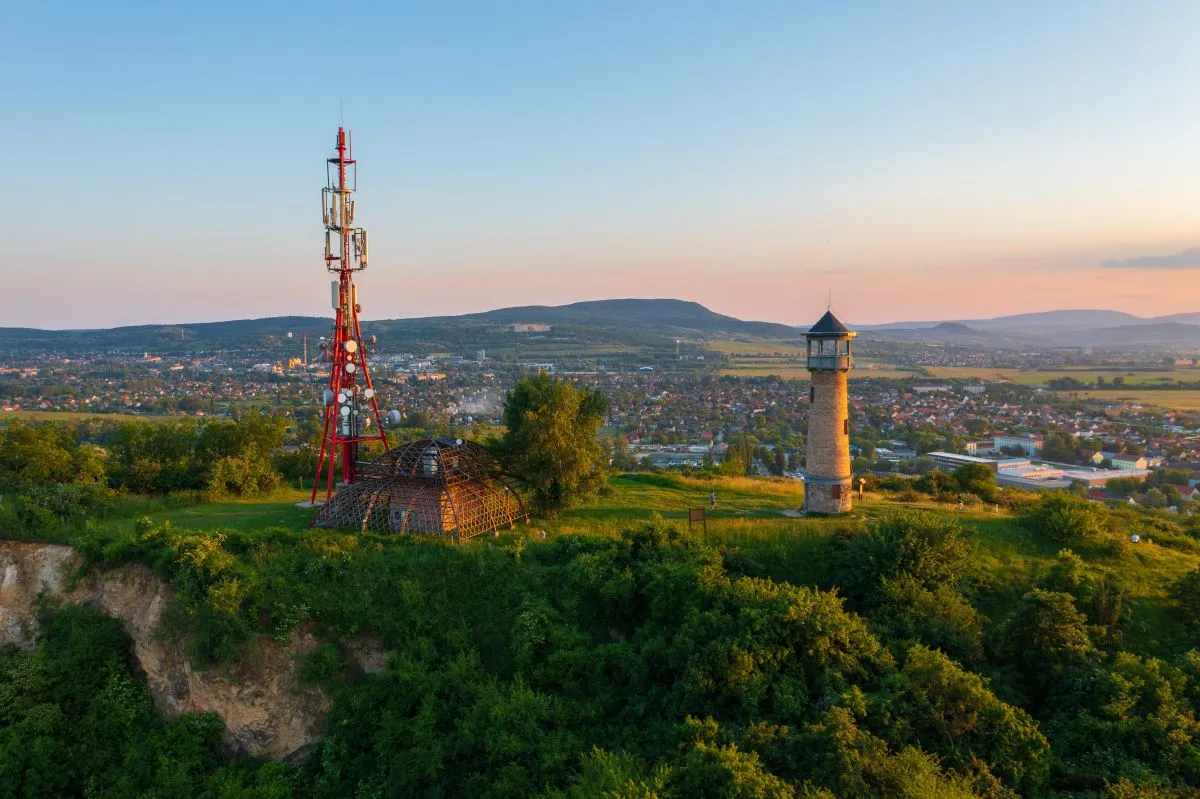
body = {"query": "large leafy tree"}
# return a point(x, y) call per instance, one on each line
point(551, 444)
point(1046, 640)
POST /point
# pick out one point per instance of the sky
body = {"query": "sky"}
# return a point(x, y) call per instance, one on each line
point(909, 160)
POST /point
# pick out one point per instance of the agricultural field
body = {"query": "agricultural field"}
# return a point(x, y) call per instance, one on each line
point(786, 359)
point(1182, 399)
point(762, 347)
point(863, 370)
point(76, 416)
point(1033, 377)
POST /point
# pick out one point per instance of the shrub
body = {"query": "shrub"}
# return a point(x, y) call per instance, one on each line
point(1066, 520)
point(928, 549)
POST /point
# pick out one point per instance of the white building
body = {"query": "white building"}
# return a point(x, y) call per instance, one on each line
point(1029, 443)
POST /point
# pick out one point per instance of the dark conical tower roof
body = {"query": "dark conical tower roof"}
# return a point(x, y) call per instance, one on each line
point(828, 325)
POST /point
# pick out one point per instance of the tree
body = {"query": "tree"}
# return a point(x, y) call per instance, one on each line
point(1066, 520)
point(977, 426)
point(1060, 447)
point(927, 548)
point(1185, 594)
point(938, 485)
point(1046, 640)
point(551, 443)
point(977, 479)
point(1123, 486)
point(743, 449)
point(708, 770)
point(1154, 498)
point(1099, 593)
point(954, 710)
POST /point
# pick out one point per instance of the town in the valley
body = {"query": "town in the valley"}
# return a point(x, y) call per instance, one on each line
point(1110, 423)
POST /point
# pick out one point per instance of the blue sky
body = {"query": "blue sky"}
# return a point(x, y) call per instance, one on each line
point(916, 159)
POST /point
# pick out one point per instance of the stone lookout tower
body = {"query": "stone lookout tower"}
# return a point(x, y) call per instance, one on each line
point(827, 486)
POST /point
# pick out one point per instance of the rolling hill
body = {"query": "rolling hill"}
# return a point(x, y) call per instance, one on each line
point(1072, 328)
point(629, 324)
point(622, 322)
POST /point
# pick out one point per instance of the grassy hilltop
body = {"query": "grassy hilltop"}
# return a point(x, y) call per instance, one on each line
point(755, 516)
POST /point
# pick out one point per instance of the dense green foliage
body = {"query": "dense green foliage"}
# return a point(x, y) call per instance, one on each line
point(55, 476)
point(550, 442)
point(1067, 520)
point(74, 721)
point(655, 664)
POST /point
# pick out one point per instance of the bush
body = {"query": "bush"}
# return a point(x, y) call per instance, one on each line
point(323, 665)
point(940, 617)
point(1066, 520)
point(928, 549)
point(1185, 595)
point(977, 479)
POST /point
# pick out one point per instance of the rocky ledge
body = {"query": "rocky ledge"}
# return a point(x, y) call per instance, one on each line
point(267, 712)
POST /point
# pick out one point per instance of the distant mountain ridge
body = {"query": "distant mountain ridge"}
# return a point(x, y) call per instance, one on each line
point(1073, 328)
point(1039, 319)
point(636, 322)
point(615, 320)
point(649, 315)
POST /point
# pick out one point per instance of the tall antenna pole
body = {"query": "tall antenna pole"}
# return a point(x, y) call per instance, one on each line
point(351, 408)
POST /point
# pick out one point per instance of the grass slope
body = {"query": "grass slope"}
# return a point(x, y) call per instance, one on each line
point(750, 516)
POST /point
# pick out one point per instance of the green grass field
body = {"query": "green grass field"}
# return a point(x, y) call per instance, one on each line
point(796, 371)
point(1034, 377)
point(763, 347)
point(1182, 399)
point(244, 516)
point(767, 357)
point(75, 416)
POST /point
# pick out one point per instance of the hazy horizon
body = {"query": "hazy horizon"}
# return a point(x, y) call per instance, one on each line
point(917, 160)
point(793, 322)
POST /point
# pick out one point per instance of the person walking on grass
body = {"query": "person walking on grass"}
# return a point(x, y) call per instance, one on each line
point(712, 499)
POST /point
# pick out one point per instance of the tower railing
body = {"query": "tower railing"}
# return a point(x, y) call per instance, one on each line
point(828, 361)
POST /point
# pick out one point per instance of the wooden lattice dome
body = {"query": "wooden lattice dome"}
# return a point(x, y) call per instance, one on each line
point(439, 486)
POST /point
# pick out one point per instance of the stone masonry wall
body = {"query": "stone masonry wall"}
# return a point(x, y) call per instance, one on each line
point(828, 452)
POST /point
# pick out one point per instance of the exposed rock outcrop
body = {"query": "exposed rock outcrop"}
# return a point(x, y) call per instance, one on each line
point(267, 712)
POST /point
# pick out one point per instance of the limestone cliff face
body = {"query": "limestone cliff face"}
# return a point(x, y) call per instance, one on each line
point(267, 713)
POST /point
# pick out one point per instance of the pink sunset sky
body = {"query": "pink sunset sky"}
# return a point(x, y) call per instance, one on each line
point(913, 160)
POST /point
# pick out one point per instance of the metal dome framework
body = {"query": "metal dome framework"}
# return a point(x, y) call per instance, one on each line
point(440, 486)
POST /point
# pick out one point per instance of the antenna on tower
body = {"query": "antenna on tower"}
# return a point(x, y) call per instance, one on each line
point(350, 403)
point(829, 304)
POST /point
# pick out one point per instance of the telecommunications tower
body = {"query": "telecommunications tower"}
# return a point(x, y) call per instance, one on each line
point(351, 410)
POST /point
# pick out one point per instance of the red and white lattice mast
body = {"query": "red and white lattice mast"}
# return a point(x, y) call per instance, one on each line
point(351, 410)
